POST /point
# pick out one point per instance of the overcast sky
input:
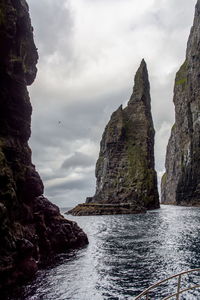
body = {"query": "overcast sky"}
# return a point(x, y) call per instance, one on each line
point(89, 52)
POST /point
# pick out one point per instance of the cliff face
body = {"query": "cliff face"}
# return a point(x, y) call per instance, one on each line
point(125, 169)
point(181, 182)
point(31, 228)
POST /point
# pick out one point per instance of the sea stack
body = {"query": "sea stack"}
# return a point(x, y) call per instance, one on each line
point(31, 228)
point(126, 178)
point(181, 182)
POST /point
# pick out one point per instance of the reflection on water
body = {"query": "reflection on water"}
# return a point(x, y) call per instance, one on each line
point(126, 254)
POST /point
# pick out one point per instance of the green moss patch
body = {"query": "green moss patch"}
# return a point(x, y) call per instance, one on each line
point(181, 81)
point(181, 75)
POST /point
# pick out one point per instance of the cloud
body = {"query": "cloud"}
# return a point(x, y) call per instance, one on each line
point(63, 185)
point(78, 159)
point(76, 186)
point(53, 22)
point(89, 52)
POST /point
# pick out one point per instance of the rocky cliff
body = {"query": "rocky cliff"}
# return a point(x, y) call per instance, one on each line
point(181, 182)
point(125, 168)
point(31, 228)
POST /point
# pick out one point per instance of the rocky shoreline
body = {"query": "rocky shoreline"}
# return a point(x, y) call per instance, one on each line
point(87, 209)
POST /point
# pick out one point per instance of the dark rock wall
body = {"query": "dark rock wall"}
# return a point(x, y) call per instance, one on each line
point(31, 228)
point(181, 182)
point(125, 169)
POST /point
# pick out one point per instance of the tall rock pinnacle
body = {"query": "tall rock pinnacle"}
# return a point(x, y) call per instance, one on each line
point(31, 227)
point(141, 89)
point(125, 168)
point(181, 182)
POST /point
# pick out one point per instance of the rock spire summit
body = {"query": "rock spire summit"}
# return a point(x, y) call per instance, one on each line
point(141, 89)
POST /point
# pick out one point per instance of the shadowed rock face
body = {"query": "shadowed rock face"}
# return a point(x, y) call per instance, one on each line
point(125, 169)
point(31, 228)
point(181, 182)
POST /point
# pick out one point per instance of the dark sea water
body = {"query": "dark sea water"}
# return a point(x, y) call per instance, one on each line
point(126, 254)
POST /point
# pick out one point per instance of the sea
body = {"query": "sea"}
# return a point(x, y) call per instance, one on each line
point(126, 254)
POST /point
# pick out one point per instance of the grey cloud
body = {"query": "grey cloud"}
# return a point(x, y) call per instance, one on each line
point(73, 121)
point(78, 184)
point(162, 104)
point(70, 198)
point(75, 184)
point(174, 21)
point(78, 159)
point(52, 22)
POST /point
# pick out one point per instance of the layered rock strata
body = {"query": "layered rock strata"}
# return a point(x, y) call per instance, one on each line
point(31, 228)
point(181, 182)
point(125, 168)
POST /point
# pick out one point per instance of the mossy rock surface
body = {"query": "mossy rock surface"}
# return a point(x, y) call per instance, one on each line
point(181, 75)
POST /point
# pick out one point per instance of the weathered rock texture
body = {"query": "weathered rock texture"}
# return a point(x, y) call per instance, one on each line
point(87, 209)
point(31, 228)
point(181, 182)
point(125, 169)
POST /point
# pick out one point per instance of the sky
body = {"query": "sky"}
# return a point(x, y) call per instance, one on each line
point(89, 51)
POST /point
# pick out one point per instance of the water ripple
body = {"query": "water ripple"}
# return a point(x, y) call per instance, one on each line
point(126, 254)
